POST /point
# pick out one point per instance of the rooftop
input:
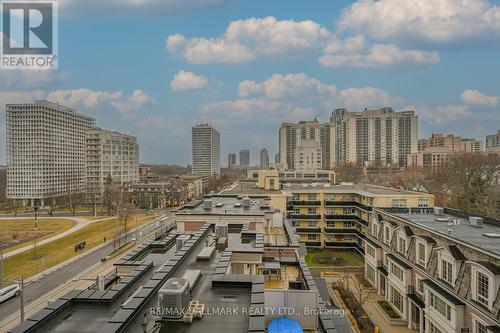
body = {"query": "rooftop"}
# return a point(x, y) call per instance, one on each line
point(364, 189)
point(461, 230)
point(228, 205)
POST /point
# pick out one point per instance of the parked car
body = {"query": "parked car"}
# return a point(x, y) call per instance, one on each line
point(9, 291)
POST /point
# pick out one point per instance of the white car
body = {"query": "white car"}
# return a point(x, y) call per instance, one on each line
point(8, 292)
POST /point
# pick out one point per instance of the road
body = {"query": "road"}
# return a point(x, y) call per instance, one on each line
point(80, 223)
point(64, 276)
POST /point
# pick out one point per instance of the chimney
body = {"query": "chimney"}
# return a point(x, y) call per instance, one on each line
point(476, 221)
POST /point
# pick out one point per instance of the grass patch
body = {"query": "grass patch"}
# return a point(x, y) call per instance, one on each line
point(388, 310)
point(327, 258)
point(22, 228)
point(62, 249)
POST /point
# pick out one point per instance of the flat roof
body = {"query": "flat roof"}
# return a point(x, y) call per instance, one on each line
point(225, 205)
point(248, 187)
point(460, 231)
point(364, 189)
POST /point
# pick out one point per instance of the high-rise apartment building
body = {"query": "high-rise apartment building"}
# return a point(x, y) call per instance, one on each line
point(244, 158)
point(493, 140)
point(264, 159)
point(111, 153)
point(472, 145)
point(291, 143)
point(452, 142)
point(231, 160)
point(206, 151)
point(46, 151)
point(380, 136)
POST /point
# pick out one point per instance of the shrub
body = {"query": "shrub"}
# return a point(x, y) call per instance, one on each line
point(388, 309)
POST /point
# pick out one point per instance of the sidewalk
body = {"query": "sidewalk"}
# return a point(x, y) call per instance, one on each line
point(379, 321)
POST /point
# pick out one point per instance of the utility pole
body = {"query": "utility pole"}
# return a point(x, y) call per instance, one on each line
point(22, 299)
point(36, 226)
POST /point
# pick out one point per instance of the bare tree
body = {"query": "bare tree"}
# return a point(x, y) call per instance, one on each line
point(411, 178)
point(355, 282)
point(469, 182)
point(349, 172)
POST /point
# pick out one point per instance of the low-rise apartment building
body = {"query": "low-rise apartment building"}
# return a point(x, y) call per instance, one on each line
point(336, 216)
point(439, 269)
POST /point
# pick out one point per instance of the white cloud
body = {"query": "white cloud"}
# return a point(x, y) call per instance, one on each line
point(378, 55)
point(442, 114)
point(188, 81)
point(245, 40)
point(88, 99)
point(429, 20)
point(135, 7)
point(475, 97)
point(31, 78)
point(299, 87)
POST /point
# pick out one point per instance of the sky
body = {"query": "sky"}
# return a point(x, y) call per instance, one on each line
point(154, 68)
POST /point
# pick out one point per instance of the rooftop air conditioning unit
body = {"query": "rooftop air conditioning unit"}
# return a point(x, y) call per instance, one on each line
point(476, 221)
point(246, 202)
point(221, 230)
point(180, 241)
point(207, 204)
point(174, 297)
point(438, 211)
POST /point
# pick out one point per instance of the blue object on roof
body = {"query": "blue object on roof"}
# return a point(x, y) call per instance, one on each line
point(284, 325)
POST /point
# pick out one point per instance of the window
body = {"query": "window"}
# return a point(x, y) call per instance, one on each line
point(421, 255)
point(349, 211)
point(398, 202)
point(330, 224)
point(447, 271)
point(402, 245)
point(370, 250)
point(433, 328)
point(311, 196)
point(423, 203)
point(387, 234)
point(420, 286)
point(370, 273)
point(349, 224)
point(479, 327)
point(311, 210)
point(482, 289)
point(311, 237)
point(441, 306)
point(374, 229)
point(397, 300)
point(396, 271)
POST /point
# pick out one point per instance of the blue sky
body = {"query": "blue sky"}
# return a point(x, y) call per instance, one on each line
point(154, 68)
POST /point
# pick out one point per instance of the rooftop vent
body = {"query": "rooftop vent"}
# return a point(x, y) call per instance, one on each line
point(438, 211)
point(442, 219)
point(347, 184)
point(476, 221)
point(246, 202)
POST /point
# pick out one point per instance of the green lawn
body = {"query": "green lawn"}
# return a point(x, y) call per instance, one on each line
point(328, 258)
point(23, 264)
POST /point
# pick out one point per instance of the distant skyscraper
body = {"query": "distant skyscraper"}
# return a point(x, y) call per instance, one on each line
point(206, 151)
point(264, 159)
point(379, 136)
point(493, 140)
point(231, 160)
point(292, 136)
point(277, 158)
point(46, 152)
point(245, 158)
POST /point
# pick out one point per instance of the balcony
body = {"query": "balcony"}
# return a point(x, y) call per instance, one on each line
point(339, 217)
point(344, 231)
point(308, 230)
point(305, 216)
point(304, 203)
point(347, 203)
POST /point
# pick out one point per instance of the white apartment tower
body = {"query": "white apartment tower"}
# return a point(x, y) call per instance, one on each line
point(296, 138)
point(45, 151)
point(264, 159)
point(110, 153)
point(379, 136)
point(206, 151)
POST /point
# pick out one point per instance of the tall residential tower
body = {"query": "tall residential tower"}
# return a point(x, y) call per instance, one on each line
point(206, 151)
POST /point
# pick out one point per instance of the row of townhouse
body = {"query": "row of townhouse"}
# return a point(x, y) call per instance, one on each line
point(438, 268)
point(336, 216)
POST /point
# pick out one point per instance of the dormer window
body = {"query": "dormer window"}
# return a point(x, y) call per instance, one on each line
point(446, 271)
point(482, 288)
point(387, 234)
point(484, 283)
point(402, 245)
point(375, 229)
point(421, 254)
